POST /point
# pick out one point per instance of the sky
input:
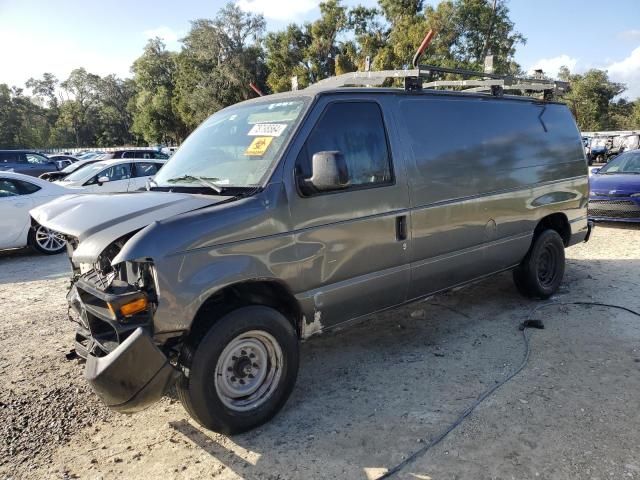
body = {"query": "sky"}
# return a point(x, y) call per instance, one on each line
point(38, 36)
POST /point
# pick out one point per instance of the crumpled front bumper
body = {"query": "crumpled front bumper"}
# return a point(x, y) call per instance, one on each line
point(133, 376)
point(124, 366)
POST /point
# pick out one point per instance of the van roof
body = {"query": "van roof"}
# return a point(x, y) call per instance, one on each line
point(314, 91)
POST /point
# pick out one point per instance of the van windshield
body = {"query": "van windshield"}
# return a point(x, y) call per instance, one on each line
point(235, 147)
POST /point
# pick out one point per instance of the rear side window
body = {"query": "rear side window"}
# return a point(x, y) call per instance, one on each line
point(11, 187)
point(26, 187)
point(11, 157)
point(8, 188)
point(145, 169)
point(160, 155)
point(357, 130)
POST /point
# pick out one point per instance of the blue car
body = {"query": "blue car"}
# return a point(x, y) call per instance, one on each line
point(614, 194)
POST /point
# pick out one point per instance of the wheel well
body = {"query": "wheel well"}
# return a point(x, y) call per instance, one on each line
point(269, 293)
point(557, 222)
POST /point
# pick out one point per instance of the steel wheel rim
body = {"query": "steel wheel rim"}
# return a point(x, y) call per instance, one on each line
point(547, 265)
point(248, 370)
point(49, 240)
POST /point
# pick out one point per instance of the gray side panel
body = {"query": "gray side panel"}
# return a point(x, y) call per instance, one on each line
point(465, 147)
point(483, 172)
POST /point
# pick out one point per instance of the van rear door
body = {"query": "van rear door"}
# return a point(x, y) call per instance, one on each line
point(352, 243)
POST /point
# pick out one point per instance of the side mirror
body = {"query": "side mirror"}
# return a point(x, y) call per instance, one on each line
point(328, 171)
point(594, 171)
point(102, 180)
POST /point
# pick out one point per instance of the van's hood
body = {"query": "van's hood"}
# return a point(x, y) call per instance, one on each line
point(97, 220)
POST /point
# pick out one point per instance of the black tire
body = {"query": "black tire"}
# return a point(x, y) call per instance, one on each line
point(600, 159)
point(200, 392)
point(35, 241)
point(540, 273)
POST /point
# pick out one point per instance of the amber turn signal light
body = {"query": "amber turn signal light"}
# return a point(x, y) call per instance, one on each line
point(136, 306)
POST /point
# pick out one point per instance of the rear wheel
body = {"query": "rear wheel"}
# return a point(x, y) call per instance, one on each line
point(242, 371)
point(540, 273)
point(45, 240)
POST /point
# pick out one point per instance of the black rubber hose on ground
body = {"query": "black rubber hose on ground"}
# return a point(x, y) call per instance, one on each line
point(527, 350)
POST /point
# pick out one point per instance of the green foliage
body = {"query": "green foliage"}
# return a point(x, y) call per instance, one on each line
point(22, 122)
point(591, 101)
point(154, 116)
point(173, 92)
point(219, 60)
point(84, 110)
point(287, 57)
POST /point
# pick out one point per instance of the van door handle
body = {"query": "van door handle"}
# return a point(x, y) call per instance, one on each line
point(401, 228)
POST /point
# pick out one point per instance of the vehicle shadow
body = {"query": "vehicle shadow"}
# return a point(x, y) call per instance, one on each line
point(371, 395)
point(17, 266)
point(619, 225)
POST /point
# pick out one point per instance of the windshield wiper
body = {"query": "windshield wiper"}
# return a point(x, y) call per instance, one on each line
point(206, 181)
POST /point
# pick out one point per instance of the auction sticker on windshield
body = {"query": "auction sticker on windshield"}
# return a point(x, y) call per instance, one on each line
point(267, 129)
point(258, 146)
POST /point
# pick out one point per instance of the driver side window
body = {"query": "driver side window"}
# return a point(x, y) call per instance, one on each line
point(113, 173)
point(356, 129)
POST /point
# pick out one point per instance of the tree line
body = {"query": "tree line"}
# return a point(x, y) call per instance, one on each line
point(224, 60)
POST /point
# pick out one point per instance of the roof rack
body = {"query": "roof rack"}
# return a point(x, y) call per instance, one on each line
point(414, 80)
point(424, 76)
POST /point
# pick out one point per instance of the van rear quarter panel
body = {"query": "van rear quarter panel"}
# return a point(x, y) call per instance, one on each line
point(482, 173)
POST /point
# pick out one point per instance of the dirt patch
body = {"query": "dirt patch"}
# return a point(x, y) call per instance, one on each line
point(44, 400)
point(367, 397)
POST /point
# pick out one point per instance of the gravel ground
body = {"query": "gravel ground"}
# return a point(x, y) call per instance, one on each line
point(367, 397)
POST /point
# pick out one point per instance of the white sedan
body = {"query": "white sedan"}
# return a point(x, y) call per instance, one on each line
point(19, 194)
point(108, 176)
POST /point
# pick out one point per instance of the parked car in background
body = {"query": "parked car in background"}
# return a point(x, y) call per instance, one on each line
point(148, 154)
point(63, 157)
point(598, 150)
point(27, 162)
point(629, 142)
point(62, 161)
point(615, 189)
point(18, 194)
point(108, 176)
point(59, 175)
point(169, 150)
point(89, 155)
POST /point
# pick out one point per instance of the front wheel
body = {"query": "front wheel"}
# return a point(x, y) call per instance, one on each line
point(46, 241)
point(242, 371)
point(540, 273)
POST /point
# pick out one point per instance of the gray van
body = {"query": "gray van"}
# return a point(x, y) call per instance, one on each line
point(291, 214)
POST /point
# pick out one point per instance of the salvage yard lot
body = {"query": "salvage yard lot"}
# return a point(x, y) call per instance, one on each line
point(367, 397)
